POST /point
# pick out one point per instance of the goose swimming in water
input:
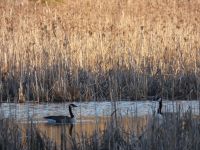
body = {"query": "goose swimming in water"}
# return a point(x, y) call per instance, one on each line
point(158, 117)
point(159, 111)
point(63, 119)
point(155, 120)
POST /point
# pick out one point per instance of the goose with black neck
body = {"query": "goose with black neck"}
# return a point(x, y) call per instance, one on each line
point(63, 119)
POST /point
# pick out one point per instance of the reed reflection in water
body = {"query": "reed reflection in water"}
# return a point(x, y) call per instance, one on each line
point(128, 131)
point(86, 127)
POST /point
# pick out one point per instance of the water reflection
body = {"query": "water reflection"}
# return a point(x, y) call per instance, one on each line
point(87, 126)
point(91, 117)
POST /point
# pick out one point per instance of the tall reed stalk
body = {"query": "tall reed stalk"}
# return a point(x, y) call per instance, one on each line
point(87, 49)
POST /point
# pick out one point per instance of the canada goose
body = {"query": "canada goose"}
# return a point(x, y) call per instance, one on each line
point(159, 111)
point(165, 114)
point(155, 120)
point(158, 117)
point(63, 119)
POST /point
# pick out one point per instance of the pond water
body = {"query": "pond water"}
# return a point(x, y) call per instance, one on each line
point(90, 115)
point(36, 111)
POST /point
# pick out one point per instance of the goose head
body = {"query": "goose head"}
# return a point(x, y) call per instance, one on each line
point(73, 105)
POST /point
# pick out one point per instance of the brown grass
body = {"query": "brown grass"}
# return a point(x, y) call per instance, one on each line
point(99, 49)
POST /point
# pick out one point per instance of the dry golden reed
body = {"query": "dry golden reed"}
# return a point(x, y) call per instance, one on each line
point(100, 49)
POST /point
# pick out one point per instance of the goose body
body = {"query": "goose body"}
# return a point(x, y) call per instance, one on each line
point(63, 119)
point(60, 119)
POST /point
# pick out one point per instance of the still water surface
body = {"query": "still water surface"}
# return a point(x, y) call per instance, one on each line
point(25, 111)
point(90, 115)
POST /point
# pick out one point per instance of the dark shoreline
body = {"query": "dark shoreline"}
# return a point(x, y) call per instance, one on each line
point(61, 102)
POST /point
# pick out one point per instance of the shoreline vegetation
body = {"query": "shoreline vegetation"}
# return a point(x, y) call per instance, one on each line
point(94, 50)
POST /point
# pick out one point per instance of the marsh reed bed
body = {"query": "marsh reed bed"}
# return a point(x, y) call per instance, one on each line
point(72, 50)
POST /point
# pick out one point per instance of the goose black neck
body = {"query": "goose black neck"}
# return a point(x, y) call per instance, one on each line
point(160, 107)
point(70, 112)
